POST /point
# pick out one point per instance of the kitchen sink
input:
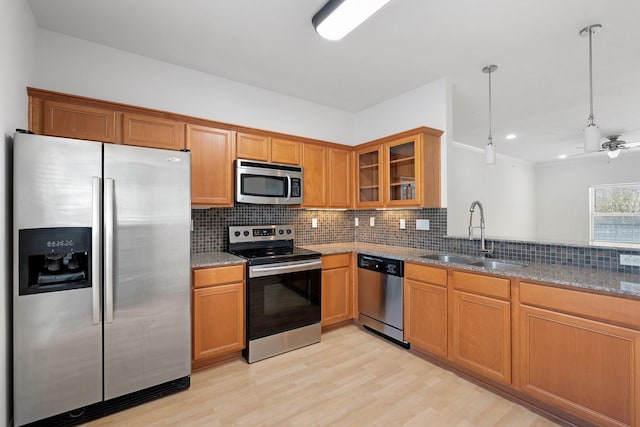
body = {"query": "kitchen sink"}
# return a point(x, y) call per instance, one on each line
point(489, 264)
point(498, 265)
point(450, 258)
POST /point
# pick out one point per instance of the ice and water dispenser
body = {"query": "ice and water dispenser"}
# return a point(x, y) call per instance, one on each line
point(54, 259)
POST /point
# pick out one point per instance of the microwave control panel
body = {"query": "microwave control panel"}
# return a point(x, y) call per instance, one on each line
point(296, 189)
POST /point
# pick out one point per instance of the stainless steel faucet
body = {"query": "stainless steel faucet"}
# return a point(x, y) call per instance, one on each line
point(483, 247)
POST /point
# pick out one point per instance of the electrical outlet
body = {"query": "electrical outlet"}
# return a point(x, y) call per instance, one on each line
point(403, 224)
point(372, 221)
point(422, 224)
point(630, 260)
point(357, 221)
point(314, 222)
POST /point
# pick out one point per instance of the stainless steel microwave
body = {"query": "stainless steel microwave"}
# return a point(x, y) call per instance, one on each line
point(268, 183)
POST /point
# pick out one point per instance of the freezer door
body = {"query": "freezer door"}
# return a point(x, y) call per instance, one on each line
point(147, 217)
point(57, 334)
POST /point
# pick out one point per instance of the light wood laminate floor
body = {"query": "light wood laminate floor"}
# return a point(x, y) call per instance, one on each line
point(351, 378)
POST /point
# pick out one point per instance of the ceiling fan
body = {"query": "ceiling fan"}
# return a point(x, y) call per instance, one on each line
point(613, 146)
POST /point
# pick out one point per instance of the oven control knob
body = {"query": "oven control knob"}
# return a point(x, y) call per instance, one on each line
point(246, 233)
point(237, 234)
point(288, 231)
point(281, 231)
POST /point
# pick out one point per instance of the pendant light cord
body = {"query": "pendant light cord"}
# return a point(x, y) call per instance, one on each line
point(590, 80)
point(490, 139)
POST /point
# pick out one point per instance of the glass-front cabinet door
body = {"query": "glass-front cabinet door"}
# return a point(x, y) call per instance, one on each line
point(403, 172)
point(369, 177)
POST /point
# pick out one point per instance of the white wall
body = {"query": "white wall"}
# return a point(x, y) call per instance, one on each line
point(75, 66)
point(17, 49)
point(562, 193)
point(427, 105)
point(505, 189)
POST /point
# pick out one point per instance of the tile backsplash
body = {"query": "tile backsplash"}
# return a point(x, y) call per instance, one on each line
point(210, 234)
point(211, 226)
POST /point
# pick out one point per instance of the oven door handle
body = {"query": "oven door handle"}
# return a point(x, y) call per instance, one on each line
point(257, 271)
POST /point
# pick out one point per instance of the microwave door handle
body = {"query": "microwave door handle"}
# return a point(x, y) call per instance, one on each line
point(288, 187)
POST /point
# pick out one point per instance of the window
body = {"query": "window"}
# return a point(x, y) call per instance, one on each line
point(615, 214)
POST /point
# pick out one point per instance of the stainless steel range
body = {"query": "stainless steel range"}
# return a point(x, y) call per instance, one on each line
point(283, 290)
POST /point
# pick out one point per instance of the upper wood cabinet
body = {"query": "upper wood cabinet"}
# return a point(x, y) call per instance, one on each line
point(74, 121)
point(286, 151)
point(253, 147)
point(267, 149)
point(153, 132)
point(412, 170)
point(327, 177)
point(401, 170)
point(212, 155)
point(314, 162)
point(369, 176)
point(339, 186)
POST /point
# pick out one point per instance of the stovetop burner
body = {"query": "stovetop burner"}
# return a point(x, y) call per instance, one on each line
point(267, 244)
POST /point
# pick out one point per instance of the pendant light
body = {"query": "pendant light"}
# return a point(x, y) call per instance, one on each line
point(591, 132)
point(490, 150)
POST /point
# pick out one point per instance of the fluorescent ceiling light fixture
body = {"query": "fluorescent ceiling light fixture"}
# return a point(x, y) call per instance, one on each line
point(562, 156)
point(511, 136)
point(338, 18)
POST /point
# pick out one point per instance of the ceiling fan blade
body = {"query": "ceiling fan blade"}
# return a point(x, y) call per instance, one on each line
point(631, 144)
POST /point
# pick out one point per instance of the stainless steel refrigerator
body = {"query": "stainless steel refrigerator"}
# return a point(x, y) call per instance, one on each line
point(101, 288)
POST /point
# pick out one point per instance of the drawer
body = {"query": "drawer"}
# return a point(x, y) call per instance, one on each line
point(611, 309)
point(335, 261)
point(480, 284)
point(425, 273)
point(218, 275)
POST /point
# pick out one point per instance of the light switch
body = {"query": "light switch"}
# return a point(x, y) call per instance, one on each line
point(314, 222)
point(403, 224)
point(422, 224)
point(357, 221)
point(372, 221)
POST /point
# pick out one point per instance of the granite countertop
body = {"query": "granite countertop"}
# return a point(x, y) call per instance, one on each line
point(214, 259)
point(625, 285)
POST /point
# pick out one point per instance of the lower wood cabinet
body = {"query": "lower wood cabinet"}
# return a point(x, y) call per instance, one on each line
point(481, 324)
point(425, 308)
point(218, 311)
point(337, 289)
point(584, 366)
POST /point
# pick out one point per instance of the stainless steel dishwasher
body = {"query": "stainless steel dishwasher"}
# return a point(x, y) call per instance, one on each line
point(380, 298)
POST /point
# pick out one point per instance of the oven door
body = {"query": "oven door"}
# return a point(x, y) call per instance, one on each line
point(282, 297)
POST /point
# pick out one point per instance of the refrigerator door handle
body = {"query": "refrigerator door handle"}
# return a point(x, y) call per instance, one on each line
point(108, 248)
point(96, 246)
